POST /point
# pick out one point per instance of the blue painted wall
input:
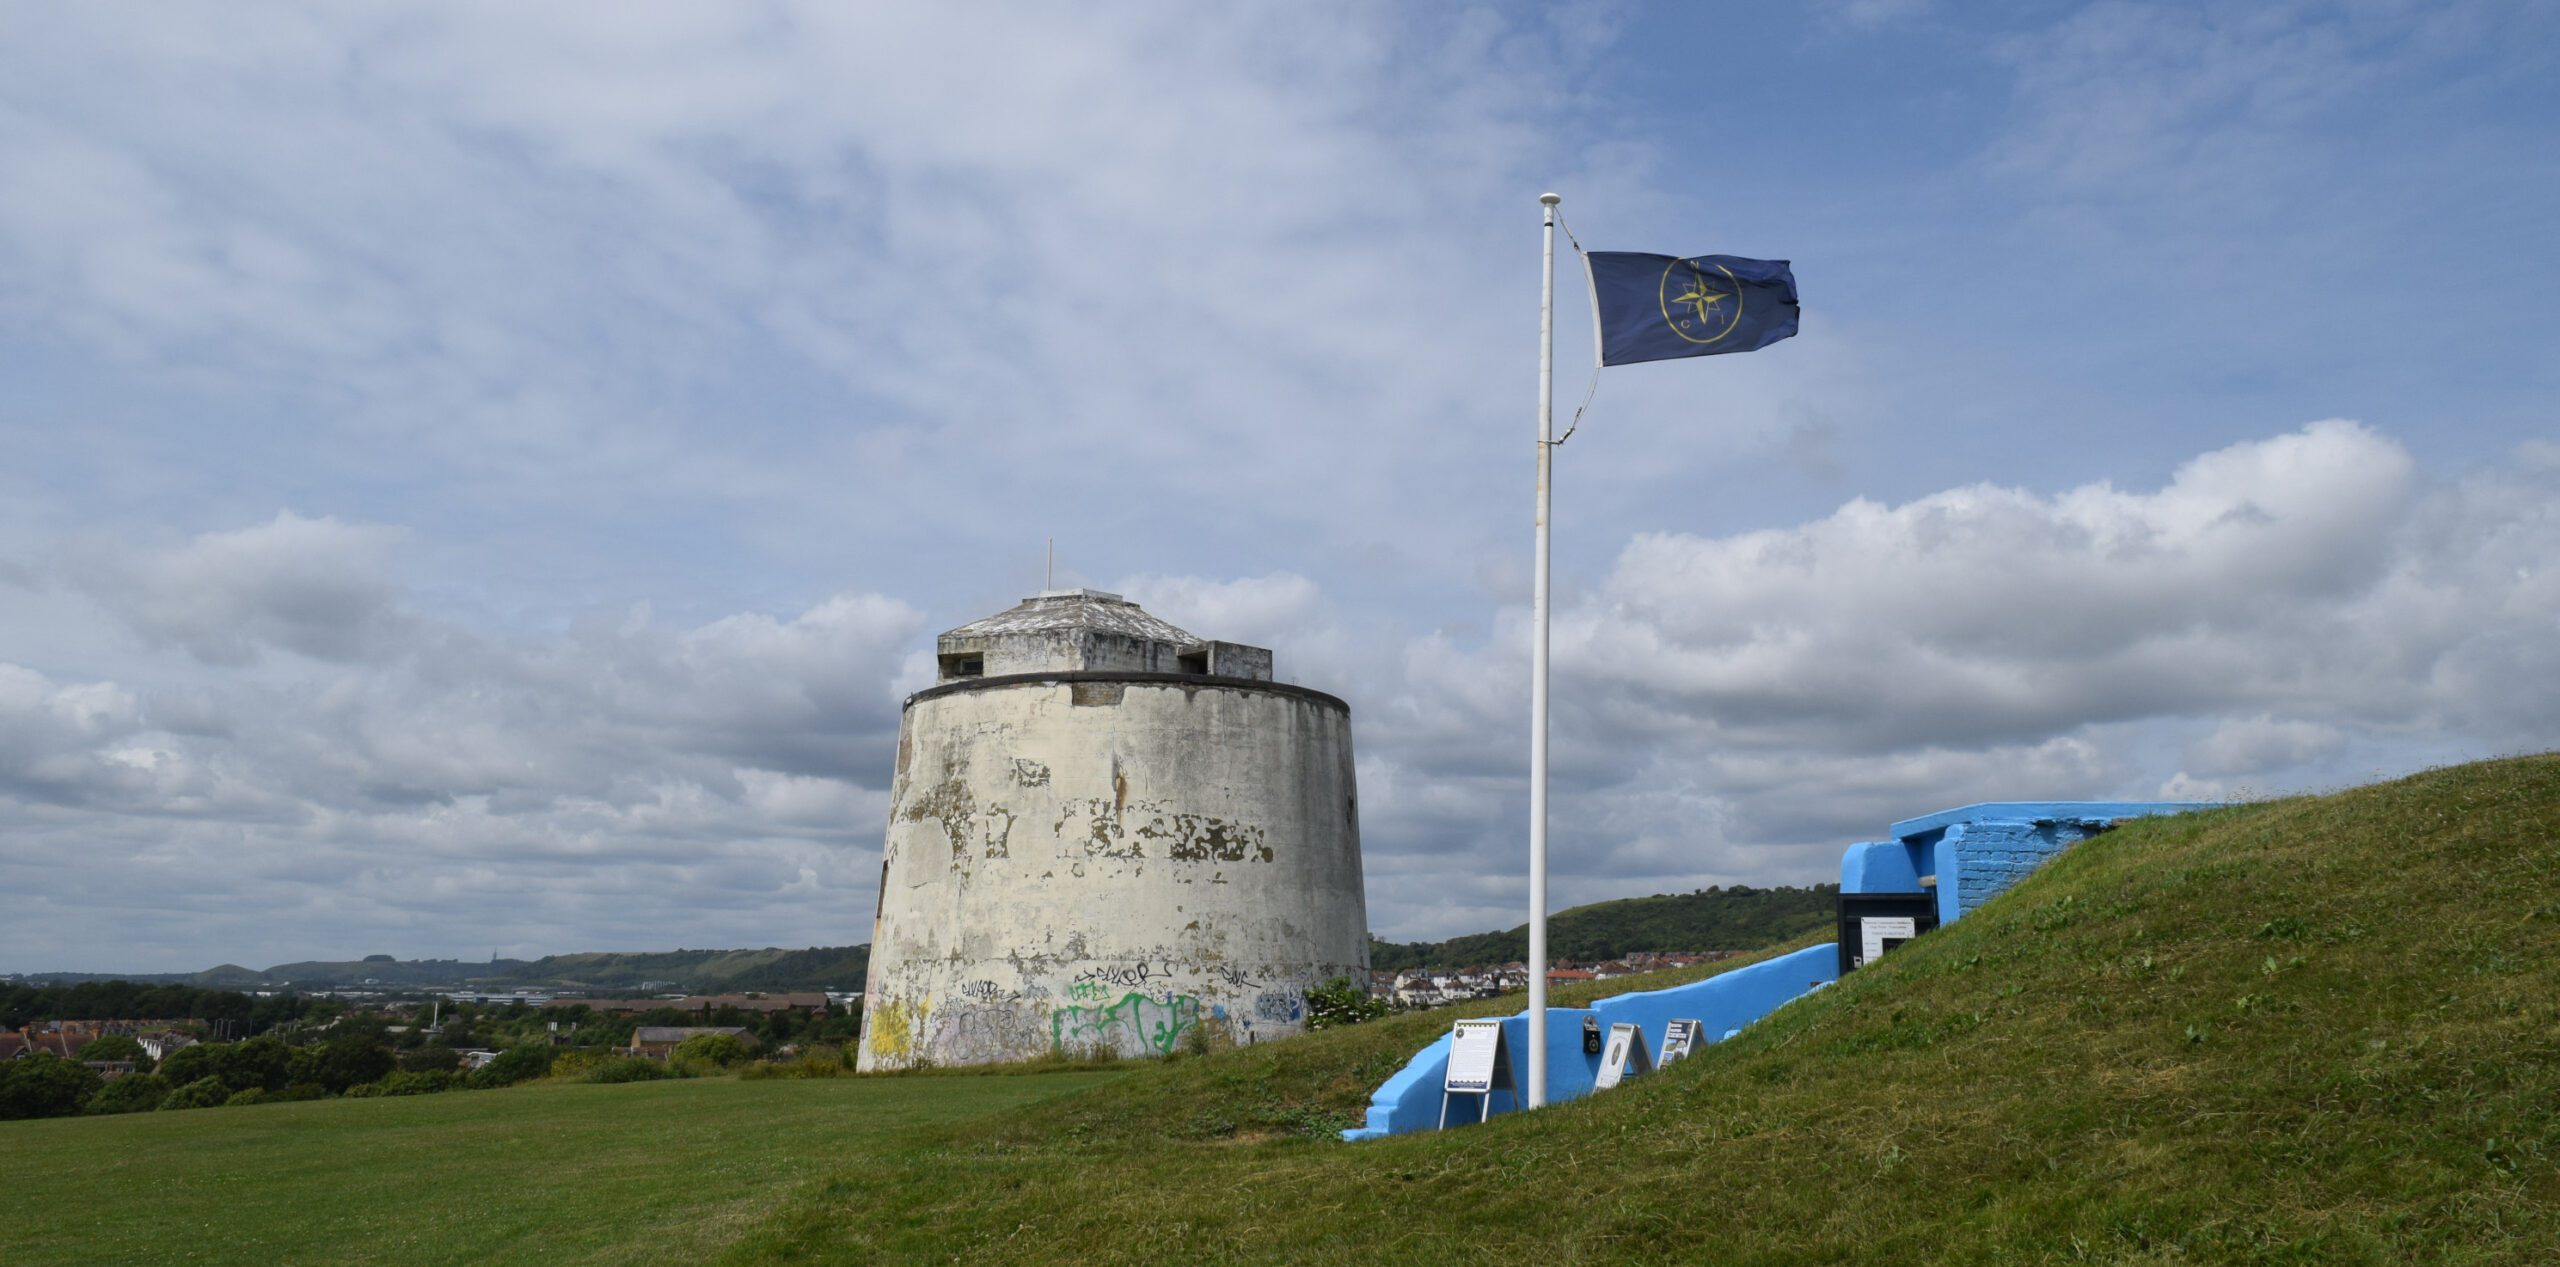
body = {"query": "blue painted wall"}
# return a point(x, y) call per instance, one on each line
point(1410, 1101)
point(1970, 854)
point(1974, 853)
point(1883, 866)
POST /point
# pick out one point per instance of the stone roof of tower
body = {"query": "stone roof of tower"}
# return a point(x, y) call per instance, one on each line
point(1075, 609)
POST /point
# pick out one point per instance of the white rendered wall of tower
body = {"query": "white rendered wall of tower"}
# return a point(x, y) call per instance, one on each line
point(1110, 860)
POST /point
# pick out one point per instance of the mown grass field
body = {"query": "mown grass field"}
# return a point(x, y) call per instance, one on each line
point(2321, 1030)
point(644, 1172)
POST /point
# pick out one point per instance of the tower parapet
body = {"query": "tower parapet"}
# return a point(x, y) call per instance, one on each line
point(1086, 630)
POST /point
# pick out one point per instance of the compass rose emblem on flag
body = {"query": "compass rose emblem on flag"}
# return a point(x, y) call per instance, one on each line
point(1707, 306)
point(1657, 307)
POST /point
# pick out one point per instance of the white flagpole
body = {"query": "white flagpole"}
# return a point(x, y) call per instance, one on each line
point(1538, 673)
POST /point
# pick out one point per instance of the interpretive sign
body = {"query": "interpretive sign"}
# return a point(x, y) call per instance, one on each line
point(1678, 1039)
point(1879, 933)
point(1479, 1065)
point(1479, 1061)
point(1873, 923)
point(1626, 1058)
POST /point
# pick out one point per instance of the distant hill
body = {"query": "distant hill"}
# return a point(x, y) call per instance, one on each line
point(1737, 917)
point(816, 968)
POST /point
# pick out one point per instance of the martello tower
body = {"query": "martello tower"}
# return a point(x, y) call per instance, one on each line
point(1105, 833)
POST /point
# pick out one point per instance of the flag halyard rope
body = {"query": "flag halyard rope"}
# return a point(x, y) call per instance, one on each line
point(1594, 385)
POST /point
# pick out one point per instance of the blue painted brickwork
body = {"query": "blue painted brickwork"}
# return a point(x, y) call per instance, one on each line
point(1973, 853)
point(1994, 855)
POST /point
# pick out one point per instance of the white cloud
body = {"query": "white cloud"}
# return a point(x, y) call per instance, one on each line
point(313, 586)
point(2298, 610)
point(2305, 607)
point(769, 315)
point(1995, 613)
point(405, 774)
point(508, 249)
point(2256, 745)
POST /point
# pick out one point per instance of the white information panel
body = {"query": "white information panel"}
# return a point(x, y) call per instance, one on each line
point(1626, 1056)
point(1877, 935)
point(1479, 1064)
point(1679, 1038)
point(1479, 1061)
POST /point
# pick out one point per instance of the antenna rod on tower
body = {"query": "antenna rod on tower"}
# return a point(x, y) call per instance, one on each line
point(1049, 579)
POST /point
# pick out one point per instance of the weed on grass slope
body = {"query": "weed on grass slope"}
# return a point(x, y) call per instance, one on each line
point(2323, 1030)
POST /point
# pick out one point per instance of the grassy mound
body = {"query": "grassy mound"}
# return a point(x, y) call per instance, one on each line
point(2323, 1030)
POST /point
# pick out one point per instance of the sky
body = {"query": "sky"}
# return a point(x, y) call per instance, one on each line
point(480, 479)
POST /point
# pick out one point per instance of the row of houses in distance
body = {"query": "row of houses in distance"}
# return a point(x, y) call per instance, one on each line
point(751, 1001)
point(1432, 987)
point(814, 1002)
point(660, 1041)
point(64, 1039)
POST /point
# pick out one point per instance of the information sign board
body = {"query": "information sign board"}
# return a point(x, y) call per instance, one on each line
point(1678, 1039)
point(1479, 1061)
point(1880, 933)
point(1626, 1058)
point(1873, 923)
point(1479, 1065)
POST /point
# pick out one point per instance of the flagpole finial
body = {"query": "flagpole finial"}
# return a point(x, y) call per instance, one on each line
point(1551, 199)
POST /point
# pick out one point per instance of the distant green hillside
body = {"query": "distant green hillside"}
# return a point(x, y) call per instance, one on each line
point(823, 967)
point(317, 972)
point(1736, 918)
point(817, 968)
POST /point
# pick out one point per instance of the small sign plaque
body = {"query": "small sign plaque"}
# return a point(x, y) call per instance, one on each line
point(1679, 1038)
point(1479, 1064)
point(1479, 1061)
point(1880, 933)
point(1626, 1058)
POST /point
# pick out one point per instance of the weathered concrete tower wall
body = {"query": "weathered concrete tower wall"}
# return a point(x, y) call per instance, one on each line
point(1109, 857)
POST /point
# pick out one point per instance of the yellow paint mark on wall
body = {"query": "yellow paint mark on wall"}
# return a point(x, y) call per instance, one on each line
point(895, 1030)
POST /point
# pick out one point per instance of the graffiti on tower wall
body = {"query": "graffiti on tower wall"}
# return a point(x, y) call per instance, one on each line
point(1134, 1026)
point(981, 1033)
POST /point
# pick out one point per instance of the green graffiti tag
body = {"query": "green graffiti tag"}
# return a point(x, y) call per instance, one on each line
point(1133, 1026)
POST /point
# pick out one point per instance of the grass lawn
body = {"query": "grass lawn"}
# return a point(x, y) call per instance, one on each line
point(2315, 1031)
point(643, 1172)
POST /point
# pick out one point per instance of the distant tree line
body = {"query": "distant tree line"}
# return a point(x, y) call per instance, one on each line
point(319, 1049)
point(1725, 917)
point(356, 1057)
point(770, 969)
point(22, 1005)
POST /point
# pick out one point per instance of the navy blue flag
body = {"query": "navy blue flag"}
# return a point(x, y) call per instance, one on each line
point(1656, 307)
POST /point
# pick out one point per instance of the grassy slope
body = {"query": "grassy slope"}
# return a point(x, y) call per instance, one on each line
point(650, 1172)
point(2319, 1031)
